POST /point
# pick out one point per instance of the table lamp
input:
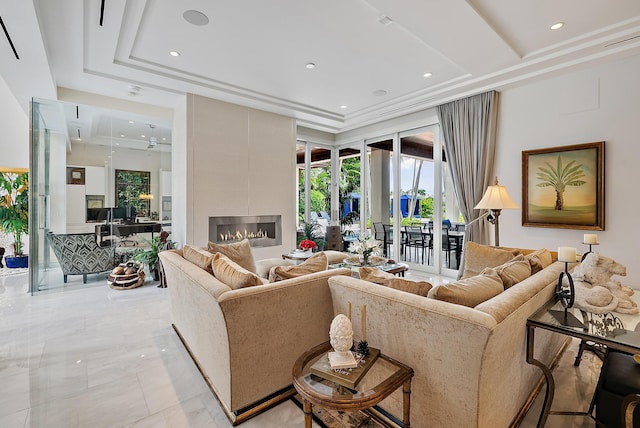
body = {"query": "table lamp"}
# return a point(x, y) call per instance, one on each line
point(496, 199)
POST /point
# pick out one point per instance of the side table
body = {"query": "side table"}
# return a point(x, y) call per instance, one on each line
point(364, 396)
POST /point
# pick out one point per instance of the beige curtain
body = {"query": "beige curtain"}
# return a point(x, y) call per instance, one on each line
point(468, 129)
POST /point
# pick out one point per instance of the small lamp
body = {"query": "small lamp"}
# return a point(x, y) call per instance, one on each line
point(496, 199)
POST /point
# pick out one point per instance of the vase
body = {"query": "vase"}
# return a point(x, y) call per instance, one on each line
point(15, 262)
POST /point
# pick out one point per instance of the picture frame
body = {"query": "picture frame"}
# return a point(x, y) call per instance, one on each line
point(563, 187)
point(75, 175)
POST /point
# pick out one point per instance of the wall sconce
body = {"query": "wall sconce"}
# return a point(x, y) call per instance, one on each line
point(496, 199)
point(146, 196)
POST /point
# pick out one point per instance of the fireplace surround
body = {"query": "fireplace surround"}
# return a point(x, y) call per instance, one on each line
point(261, 231)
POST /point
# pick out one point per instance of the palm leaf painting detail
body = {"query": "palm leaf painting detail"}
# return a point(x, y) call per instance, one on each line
point(560, 177)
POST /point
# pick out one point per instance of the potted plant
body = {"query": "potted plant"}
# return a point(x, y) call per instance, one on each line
point(150, 255)
point(312, 232)
point(14, 213)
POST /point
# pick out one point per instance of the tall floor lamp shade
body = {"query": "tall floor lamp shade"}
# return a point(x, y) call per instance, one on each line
point(495, 199)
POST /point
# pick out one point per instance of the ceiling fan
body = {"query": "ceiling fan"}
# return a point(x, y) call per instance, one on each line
point(153, 141)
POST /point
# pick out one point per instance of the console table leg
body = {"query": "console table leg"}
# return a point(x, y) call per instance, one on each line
point(406, 401)
point(548, 376)
point(306, 408)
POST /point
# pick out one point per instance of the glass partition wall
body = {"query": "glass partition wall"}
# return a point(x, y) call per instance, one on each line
point(85, 161)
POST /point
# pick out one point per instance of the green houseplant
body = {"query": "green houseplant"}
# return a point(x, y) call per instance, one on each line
point(14, 211)
point(149, 256)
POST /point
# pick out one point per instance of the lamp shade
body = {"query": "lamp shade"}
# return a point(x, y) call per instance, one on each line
point(496, 198)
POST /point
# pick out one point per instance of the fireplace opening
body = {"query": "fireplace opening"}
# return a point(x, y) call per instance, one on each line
point(261, 231)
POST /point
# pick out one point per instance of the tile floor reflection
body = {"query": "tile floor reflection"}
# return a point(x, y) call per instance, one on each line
point(96, 357)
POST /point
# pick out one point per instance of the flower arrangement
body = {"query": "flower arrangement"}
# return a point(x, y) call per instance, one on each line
point(366, 247)
point(308, 244)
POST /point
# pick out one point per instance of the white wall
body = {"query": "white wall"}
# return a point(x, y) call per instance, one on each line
point(14, 123)
point(601, 103)
point(240, 161)
point(179, 170)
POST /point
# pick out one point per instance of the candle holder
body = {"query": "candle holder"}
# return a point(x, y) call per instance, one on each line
point(590, 251)
point(566, 296)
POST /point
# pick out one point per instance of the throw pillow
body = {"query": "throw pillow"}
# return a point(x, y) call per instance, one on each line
point(239, 252)
point(375, 275)
point(421, 288)
point(198, 256)
point(470, 291)
point(477, 257)
point(232, 274)
point(539, 260)
point(315, 263)
point(514, 271)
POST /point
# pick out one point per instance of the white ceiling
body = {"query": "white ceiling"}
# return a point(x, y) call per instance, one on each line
point(254, 52)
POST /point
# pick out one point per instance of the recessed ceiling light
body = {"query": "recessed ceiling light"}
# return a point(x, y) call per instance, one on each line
point(164, 139)
point(195, 17)
point(427, 74)
point(121, 135)
point(384, 20)
point(380, 93)
point(174, 53)
point(131, 121)
point(310, 65)
point(557, 25)
point(343, 106)
point(142, 136)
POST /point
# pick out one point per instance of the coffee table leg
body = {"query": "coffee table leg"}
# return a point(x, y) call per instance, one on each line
point(406, 401)
point(306, 407)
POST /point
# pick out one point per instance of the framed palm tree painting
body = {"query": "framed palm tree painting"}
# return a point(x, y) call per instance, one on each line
point(563, 187)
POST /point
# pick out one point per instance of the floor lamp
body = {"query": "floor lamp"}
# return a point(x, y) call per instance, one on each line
point(495, 199)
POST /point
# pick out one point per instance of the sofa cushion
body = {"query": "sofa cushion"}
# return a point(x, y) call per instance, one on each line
point(315, 263)
point(263, 267)
point(199, 257)
point(421, 288)
point(232, 274)
point(469, 291)
point(513, 271)
point(477, 257)
point(539, 260)
point(239, 252)
point(375, 275)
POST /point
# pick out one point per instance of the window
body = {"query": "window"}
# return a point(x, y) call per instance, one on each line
point(133, 190)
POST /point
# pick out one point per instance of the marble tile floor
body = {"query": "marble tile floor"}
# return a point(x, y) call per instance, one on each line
point(96, 357)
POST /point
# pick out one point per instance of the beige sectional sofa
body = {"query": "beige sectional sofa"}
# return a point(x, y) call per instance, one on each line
point(469, 362)
point(245, 341)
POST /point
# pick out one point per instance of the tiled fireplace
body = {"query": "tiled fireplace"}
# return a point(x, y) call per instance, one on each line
point(262, 231)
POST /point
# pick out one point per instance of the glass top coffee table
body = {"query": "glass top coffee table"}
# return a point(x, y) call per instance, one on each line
point(383, 377)
point(613, 330)
point(394, 268)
